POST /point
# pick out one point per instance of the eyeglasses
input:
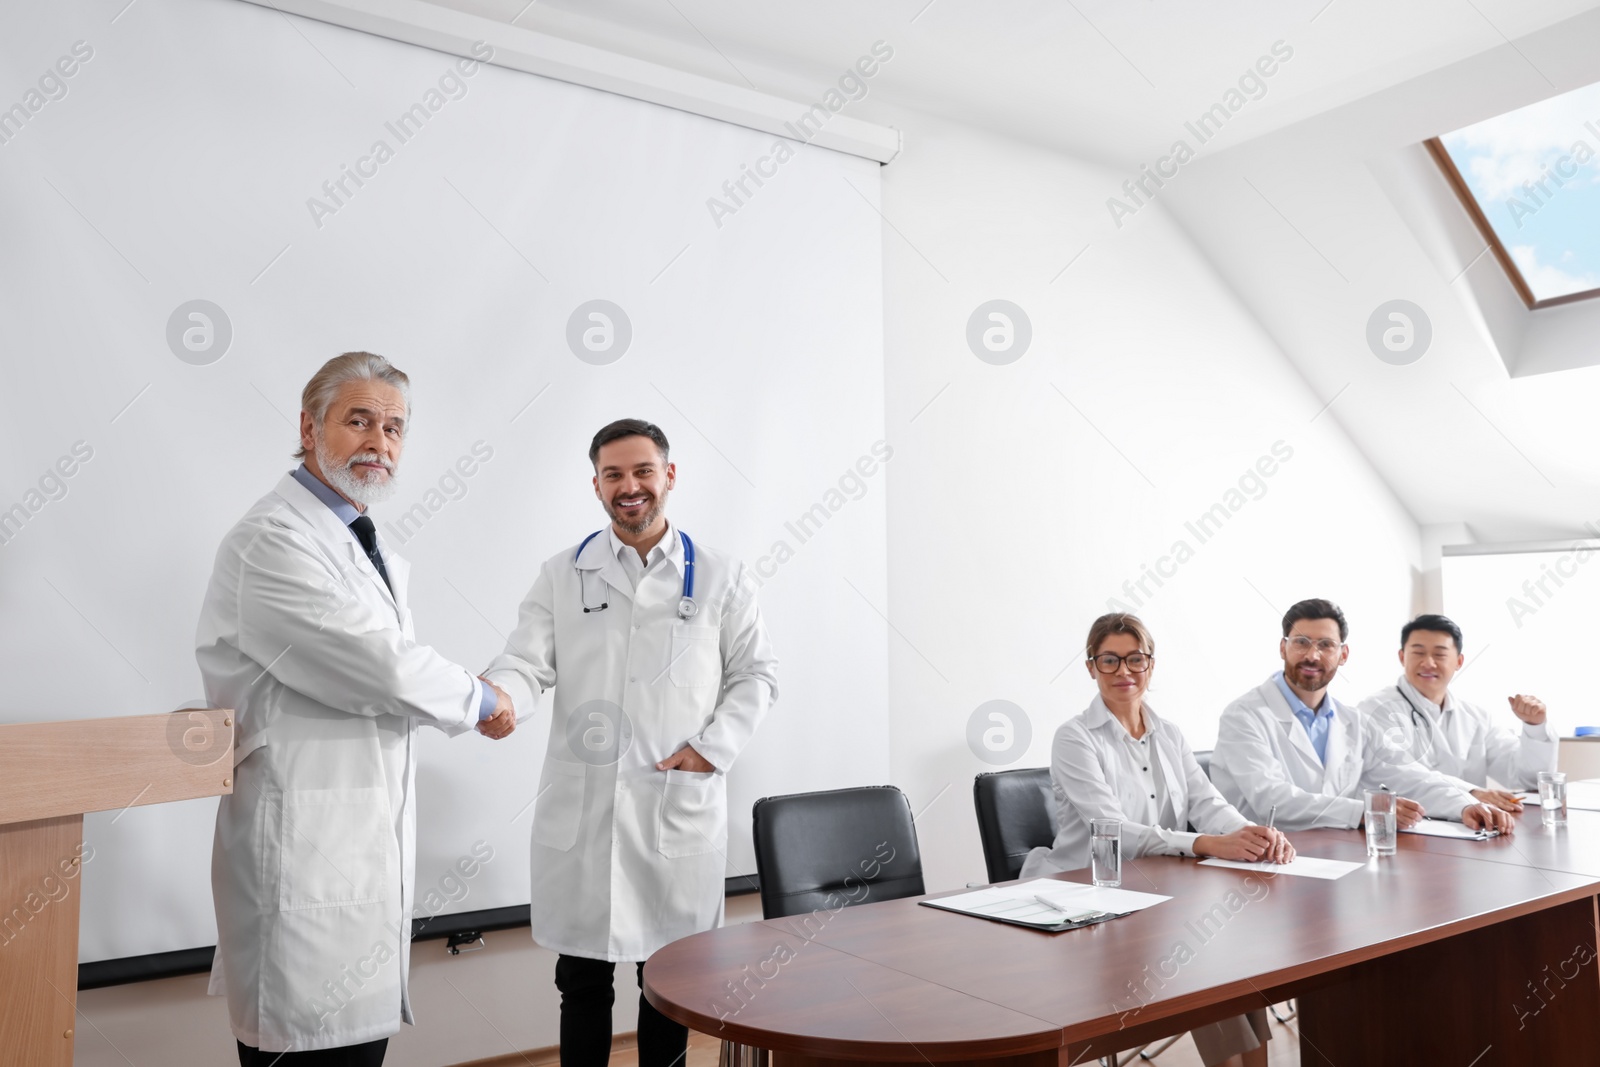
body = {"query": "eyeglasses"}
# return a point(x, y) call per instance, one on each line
point(1108, 662)
point(1327, 645)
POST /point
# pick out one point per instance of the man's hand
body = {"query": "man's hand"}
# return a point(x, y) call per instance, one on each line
point(504, 719)
point(1530, 710)
point(1407, 813)
point(1483, 817)
point(685, 759)
point(1499, 798)
point(1280, 851)
point(1249, 844)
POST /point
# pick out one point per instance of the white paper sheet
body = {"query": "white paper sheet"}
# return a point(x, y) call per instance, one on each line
point(1303, 866)
point(1019, 902)
point(1442, 828)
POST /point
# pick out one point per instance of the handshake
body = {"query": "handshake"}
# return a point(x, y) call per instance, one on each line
point(504, 719)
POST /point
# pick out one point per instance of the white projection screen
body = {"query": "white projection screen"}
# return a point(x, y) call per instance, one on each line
point(1527, 616)
point(175, 164)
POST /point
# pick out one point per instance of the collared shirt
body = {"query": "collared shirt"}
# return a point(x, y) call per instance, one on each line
point(1153, 785)
point(669, 547)
point(1158, 810)
point(341, 507)
point(348, 513)
point(1315, 722)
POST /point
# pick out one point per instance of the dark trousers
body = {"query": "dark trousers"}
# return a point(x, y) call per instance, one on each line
point(367, 1055)
point(587, 994)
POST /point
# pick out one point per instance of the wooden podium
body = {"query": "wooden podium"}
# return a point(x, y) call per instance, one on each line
point(50, 774)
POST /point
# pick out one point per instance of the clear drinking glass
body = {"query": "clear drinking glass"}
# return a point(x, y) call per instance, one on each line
point(1105, 852)
point(1382, 829)
point(1552, 798)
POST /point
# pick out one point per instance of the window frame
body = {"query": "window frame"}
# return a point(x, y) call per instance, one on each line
point(1463, 192)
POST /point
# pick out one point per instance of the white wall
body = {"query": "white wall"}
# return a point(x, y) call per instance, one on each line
point(1012, 520)
point(755, 344)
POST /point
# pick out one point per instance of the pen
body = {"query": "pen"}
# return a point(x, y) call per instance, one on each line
point(1272, 817)
point(1072, 916)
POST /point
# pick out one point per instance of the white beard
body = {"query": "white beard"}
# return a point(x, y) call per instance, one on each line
point(360, 489)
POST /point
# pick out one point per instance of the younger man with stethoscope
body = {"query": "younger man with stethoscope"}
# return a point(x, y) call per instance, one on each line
point(1419, 717)
point(662, 670)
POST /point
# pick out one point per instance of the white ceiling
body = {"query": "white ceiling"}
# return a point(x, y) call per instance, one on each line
point(1306, 225)
point(1106, 80)
point(1289, 203)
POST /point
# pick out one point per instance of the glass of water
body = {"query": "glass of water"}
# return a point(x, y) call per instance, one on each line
point(1105, 852)
point(1382, 829)
point(1552, 798)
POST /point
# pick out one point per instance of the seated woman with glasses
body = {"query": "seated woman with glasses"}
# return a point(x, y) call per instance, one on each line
point(1118, 760)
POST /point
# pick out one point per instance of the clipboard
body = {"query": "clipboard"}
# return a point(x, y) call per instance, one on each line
point(1047, 904)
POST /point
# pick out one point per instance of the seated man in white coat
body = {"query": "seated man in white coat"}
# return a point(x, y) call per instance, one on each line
point(1419, 718)
point(305, 633)
point(1288, 750)
point(662, 671)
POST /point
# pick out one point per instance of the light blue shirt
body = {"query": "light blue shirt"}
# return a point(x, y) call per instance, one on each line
point(1317, 724)
point(347, 513)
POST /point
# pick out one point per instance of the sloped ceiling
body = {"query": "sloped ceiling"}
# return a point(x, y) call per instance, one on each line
point(1300, 201)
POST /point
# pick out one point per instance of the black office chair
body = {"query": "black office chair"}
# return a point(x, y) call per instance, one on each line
point(1016, 814)
point(815, 849)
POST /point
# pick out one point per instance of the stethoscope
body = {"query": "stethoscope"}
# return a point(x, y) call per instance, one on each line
point(686, 605)
point(1415, 711)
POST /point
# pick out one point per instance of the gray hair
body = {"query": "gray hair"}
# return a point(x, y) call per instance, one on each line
point(341, 370)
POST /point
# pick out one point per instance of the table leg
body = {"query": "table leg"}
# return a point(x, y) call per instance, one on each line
point(39, 880)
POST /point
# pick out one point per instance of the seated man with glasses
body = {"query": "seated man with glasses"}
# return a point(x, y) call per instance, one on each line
point(1418, 718)
point(1288, 748)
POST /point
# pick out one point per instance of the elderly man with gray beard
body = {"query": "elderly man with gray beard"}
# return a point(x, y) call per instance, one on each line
point(306, 634)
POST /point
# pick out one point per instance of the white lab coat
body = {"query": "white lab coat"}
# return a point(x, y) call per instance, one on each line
point(1460, 741)
point(1264, 759)
point(1094, 777)
point(1097, 774)
point(626, 858)
point(313, 861)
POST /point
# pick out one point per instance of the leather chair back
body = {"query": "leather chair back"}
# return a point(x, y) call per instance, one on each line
point(1016, 814)
point(815, 851)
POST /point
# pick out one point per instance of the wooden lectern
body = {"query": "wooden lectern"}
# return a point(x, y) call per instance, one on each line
point(50, 774)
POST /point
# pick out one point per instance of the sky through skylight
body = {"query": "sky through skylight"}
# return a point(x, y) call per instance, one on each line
point(1535, 175)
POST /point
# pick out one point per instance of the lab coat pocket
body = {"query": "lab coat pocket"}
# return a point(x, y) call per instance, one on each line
point(334, 848)
point(558, 812)
point(693, 820)
point(696, 657)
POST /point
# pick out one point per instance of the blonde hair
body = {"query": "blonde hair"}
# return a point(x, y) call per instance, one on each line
point(1118, 622)
point(341, 370)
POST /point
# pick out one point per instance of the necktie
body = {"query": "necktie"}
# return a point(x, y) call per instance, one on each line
point(368, 536)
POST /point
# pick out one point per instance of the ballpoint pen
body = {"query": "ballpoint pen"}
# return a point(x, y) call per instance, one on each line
point(1072, 916)
point(1272, 817)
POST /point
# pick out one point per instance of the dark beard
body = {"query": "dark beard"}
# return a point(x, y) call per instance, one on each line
point(1327, 678)
point(644, 522)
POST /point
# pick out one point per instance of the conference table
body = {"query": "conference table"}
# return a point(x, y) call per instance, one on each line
point(1470, 953)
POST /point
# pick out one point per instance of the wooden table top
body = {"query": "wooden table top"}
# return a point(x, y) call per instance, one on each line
point(1574, 848)
point(895, 981)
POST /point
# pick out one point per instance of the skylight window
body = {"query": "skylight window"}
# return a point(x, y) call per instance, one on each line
point(1531, 181)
